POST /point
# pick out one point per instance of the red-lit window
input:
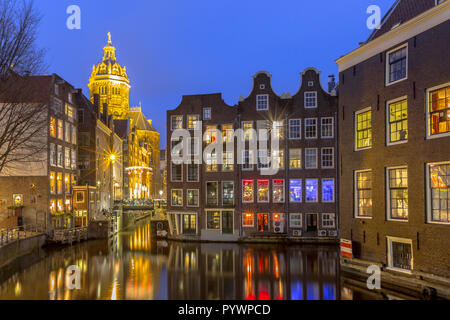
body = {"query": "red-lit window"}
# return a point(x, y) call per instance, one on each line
point(248, 220)
point(263, 190)
point(439, 109)
point(247, 191)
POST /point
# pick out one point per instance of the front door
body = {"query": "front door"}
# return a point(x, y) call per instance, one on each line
point(189, 224)
point(311, 222)
point(263, 222)
point(227, 222)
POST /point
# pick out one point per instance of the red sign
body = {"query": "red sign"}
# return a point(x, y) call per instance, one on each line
point(346, 248)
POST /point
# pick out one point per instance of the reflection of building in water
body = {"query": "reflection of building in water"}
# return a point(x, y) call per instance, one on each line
point(257, 273)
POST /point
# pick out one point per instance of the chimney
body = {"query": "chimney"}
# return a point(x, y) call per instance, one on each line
point(331, 83)
point(97, 105)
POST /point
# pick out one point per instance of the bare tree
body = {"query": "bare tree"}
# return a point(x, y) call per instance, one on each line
point(23, 96)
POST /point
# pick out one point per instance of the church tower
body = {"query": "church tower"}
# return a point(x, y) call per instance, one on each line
point(110, 81)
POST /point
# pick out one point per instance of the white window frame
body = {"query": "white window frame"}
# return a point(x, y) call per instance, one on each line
point(284, 191)
point(250, 158)
point(257, 102)
point(300, 129)
point(355, 130)
point(171, 172)
point(171, 122)
point(299, 219)
point(171, 198)
point(428, 195)
point(210, 113)
point(247, 225)
point(306, 195)
point(355, 194)
point(315, 97)
point(234, 192)
point(332, 217)
point(206, 193)
point(388, 65)
point(427, 99)
point(332, 128)
point(322, 155)
point(334, 190)
point(253, 193)
point(388, 127)
point(187, 172)
point(244, 135)
point(197, 124)
point(187, 198)
point(196, 146)
point(311, 138)
point(388, 195)
point(268, 191)
point(389, 241)
point(317, 158)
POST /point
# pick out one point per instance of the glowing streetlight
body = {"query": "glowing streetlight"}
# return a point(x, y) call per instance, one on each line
point(112, 157)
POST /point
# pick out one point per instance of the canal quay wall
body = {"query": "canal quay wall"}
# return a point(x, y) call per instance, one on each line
point(11, 253)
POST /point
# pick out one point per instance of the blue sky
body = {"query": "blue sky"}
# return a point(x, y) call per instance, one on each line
point(177, 47)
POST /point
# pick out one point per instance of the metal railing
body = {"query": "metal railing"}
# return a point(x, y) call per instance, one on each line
point(8, 235)
point(70, 235)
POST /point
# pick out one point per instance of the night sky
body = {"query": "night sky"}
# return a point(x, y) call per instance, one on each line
point(177, 47)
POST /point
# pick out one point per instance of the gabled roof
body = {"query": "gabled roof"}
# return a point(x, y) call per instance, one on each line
point(140, 121)
point(401, 12)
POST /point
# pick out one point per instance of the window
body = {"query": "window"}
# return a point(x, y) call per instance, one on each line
point(192, 197)
point(311, 128)
point(278, 191)
point(192, 172)
point(228, 161)
point(53, 155)
point(194, 146)
point(295, 190)
point(247, 191)
point(67, 132)
point(69, 110)
point(311, 158)
point(278, 129)
point(278, 159)
point(67, 158)
point(439, 111)
point(262, 102)
point(310, 83)
point(248, 220)
point(295, 158)
point(327, 190)
point(212, 194)
point(53, 127)
point(79, 197)
point(210, 134)
point(263, 191)
point(206, 113)
point(295, 129)
point(52, 183)
point(397, 193)
point(311, 186)
point(397, 64)
point(363, 129)
point(327, 158)
point(60, 130)
point(295, 220)
point(328, 220)
point(438, 186)
point(176, 122)
point(363, 194)
point(327, 127)
point(177, 197)
point(74, 134)
point(67, 183)
point(227, 133)
point(228, 193)
point(211, 162)
point(263, 159)
point(74, 159)
point(398, 121)
point(248, 130)
point(311, 99)
point(59, 185)
point(213, 220)
point(400, 253)
point(176, 172)
point(60, 156)
point(193, 122)
point(247, 160)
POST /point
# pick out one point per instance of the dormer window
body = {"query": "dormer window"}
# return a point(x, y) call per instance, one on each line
point(262, 102)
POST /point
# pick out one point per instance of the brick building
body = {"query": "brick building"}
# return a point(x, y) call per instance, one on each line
point(394, 100)
point(231, 198)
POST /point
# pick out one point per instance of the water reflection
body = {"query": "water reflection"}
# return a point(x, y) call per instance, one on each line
point(134, 267)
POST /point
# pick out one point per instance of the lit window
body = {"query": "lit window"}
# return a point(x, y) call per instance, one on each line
point(363, 201)
point(211, 162)
point(248, 220)
point(327, 190)
point(397, 64)
point(262, 102)
point(79, 197)
point(399, 253)
point(176, 172)
point(74, 134)
point(328, 220)
point(263, 159)
point(247, 191)
point(295, 190)
point(228, 161)
point(278, 128)
point(206, 113)
point(176, 122)
point(310, 99)
point(53, 127)
point(177, 197)
point(212, 194)
point(210, 134)
point(327, 158)
point(295, 158)
point(398, 193)
point(192, 170)
point(193, 122)
point(67, 131)
point(247, 160)
point(295, 220)
point(228, 193)
point(67, 158)
point(311, 128)
point(192, 197)
point(311, 158)
point(363, 129)
point(59, 183)
point(278, 191)
point(67, 183)
point(60, 130)
point(52, 183)
point(227, 133)
point(327, 127)
point(213, 220)
point(295, 129)
point(439, 192)
point(439, 111)
point(311, 186)
point(53, 161)
point(278, 159)
point(398, 121)
point(60, 156)
point(263, 190)
point(248, 130)
point(69, 111)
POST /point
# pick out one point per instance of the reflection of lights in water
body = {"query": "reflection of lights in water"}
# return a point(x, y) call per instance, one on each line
point(18, 289)
point(114, 290)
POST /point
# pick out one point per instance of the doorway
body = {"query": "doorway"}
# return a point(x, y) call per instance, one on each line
point(263, 222)
point(311, 222)
point(227, 222)
point(189, 224)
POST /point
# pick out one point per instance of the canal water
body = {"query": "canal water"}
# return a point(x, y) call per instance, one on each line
point(132, 266)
